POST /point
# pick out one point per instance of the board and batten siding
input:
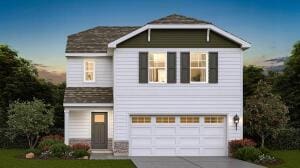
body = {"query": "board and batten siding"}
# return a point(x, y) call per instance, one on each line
point(80, 123)
point(103, 72)
point(222, 98)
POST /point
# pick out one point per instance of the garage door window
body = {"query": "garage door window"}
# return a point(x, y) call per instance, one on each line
point(189, 119)
point(141, 119)
point(165, 119)
point(214, 119)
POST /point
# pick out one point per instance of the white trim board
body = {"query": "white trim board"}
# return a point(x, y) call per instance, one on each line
point(87, 54)
point(244, 43)
point(88, 104)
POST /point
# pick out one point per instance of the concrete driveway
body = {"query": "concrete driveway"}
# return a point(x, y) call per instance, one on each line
point(191, 162)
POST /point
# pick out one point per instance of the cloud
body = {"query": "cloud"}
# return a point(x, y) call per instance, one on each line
point(277, 60)
point(50, 74)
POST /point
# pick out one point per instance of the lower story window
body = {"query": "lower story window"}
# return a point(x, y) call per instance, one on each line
point(165, 119)
point(214, 119)
point(141, 119)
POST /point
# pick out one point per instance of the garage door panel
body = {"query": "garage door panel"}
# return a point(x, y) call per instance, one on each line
point(213, 152)
point(189, 141)
point(213, 141)
point(141, 142)
point(164, 130)
point(188, 130)
point(164, 151)
point(135, 131)
point(213, 131)
point(141, 151)
point(188, 151)
point(166, 141)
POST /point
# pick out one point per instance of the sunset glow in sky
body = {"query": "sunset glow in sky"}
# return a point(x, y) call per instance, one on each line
point(37, 29)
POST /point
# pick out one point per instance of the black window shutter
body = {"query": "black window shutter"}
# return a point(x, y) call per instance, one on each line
point(213, 67)
point(171, 67)
point(185, 67)
point(143, 67)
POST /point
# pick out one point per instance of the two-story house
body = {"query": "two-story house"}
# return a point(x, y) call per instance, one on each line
point(173, 87)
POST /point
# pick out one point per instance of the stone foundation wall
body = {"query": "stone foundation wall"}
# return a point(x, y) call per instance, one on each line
point(121, 148)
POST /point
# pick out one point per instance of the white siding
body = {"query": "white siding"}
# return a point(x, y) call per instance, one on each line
point(103, 73)
point(131, 97)
point(80, 123)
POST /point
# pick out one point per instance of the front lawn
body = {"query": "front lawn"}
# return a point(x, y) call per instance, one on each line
point(290, 158)
point(10, 158)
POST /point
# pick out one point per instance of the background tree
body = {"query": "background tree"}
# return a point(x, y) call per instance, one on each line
point(264, 112)
point(30, 119)
point(251, 75)
point(288, 85)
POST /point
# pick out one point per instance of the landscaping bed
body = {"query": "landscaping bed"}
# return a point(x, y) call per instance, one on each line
point(10, 158)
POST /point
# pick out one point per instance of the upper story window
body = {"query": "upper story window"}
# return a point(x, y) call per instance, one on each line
point(157, 64)
point(199, 67)
point(89, 70)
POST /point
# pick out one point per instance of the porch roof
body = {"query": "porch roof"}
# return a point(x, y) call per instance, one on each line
point(88, 95)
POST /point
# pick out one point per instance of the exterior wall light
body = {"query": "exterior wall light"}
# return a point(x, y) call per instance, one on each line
point(236, 120)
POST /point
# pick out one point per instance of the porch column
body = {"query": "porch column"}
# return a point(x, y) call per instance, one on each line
point(66, 111)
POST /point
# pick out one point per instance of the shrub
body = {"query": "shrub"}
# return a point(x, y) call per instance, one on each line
point(79, 153)
point(55, 137)
point(59, 150)
point(44, 145)
point(288, 138)
point(234, 145)
point(265, 150)
point(80, 146)
point(247, 154)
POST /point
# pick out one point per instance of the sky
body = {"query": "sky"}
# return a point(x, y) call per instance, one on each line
point(38, 29)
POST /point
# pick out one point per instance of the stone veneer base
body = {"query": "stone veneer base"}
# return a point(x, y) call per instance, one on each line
point(120, 148)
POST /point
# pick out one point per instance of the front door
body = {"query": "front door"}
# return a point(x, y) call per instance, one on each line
point(99, 130)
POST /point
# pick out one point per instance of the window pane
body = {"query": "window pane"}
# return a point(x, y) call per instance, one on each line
point(141, 119)
point(99, 118)
point(198, 75)
point(89, 76)
point(189, 119)
point(89, 66)
point(165, 119)
point(157, 75)
point(157, 67)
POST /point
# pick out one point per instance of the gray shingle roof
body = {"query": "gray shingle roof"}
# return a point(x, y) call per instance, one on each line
point(178, 19)
point(95, 40)
point(88, 95)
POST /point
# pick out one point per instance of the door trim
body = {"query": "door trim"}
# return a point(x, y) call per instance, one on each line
point(105, 133)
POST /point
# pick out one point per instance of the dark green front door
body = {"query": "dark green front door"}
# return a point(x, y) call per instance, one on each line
point(99, 130)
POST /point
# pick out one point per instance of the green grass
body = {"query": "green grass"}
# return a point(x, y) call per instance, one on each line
point(10, 158)
point(291, 159)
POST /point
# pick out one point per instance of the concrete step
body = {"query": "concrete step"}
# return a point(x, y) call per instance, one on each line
point(101, 151)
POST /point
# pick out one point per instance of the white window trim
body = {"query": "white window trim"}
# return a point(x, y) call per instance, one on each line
point(206, 70)
point(166, 67)
point(84, 70)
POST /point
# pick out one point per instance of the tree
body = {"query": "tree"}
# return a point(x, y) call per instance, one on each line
point(288, 85)
point(265, 112)
point(31, 118)
point(252, 74)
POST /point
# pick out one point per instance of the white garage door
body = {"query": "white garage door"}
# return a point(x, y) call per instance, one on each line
point(178, 136)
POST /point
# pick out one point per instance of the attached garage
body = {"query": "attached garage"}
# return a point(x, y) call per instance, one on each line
point(178, 136)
